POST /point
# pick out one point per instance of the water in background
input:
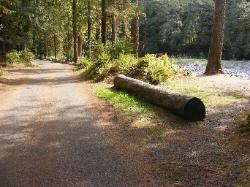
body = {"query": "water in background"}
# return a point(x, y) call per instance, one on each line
point(198, 66)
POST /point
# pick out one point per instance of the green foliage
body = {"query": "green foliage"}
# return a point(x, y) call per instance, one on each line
point(149, 68)
point(101, 65)
point(69, 56)
point(20, 57)
point(124, 64)
point(122, 47)
point(84, 63)
point(126, 102)
point(13, 57)
point(27, 57)
point(183, 28)
point(153, 69)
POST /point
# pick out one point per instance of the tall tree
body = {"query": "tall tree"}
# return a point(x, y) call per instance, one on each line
point(215, 50)
point(104, 21)
point(89, 27)
point(114, 22)
point(74, 21)
point(135, 30)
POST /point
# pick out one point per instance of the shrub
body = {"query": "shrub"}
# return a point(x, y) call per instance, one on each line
point(20, 57)
point(13, 57)
point(26, 57)
point(84, 63)
point(69, 55)
point(122, 47)
point(153, 69)
point(100, 67)
point(50, 58)
point(124, 64)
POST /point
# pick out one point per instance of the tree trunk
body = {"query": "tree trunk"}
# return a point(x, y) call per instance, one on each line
point(135, 31)
point(98, 33)
point(104, 22)
point(79, 45)
point(190, 108)
point(114, 25)
point(74, 16)
point(55, 46)
point(215, 50)
point(45, 47)
point(69, 43)
point(89, 28)
point(125, 30)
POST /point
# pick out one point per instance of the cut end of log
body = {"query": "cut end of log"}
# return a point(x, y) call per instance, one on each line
point(195, 110)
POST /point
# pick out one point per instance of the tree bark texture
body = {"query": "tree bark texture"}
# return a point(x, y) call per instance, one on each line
point(89, 28)
point(114, 25)
point(104, 22)
point(188, 107)
point(135, 30)
point(79, 45)
point(74, 16)
point(216, 46)
point(55, 47)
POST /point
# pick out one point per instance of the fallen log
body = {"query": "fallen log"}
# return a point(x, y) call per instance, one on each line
point(190, 108)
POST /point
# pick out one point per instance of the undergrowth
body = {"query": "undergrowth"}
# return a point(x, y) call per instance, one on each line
point(109, 60)
point(20, 57)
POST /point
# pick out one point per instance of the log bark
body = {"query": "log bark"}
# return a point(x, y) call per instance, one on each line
point(188, 107)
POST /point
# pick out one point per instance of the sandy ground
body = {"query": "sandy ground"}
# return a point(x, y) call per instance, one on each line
point(50, 135)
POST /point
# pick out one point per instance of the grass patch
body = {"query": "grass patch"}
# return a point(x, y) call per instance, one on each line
point(126, 102)
point(212, 97)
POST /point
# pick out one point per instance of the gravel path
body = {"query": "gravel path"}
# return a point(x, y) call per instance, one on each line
point(49, 135)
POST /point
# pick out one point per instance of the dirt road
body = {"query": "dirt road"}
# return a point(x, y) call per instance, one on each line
point(49, 135)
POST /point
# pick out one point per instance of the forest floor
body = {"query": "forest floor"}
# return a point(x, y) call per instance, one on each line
point(54, 131)
point(212, 152)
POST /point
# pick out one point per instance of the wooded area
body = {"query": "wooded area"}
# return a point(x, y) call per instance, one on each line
point(124, 93)
point(70, 29)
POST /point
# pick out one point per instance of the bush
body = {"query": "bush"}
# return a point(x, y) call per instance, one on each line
point(99, 69)
point(13, 57)
point(122, 47)
point(69, 55)
point(124, 64)
point(84, 63)
point(108, 60)
point(153, 69)
point(20, 57)
point(27, 57)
